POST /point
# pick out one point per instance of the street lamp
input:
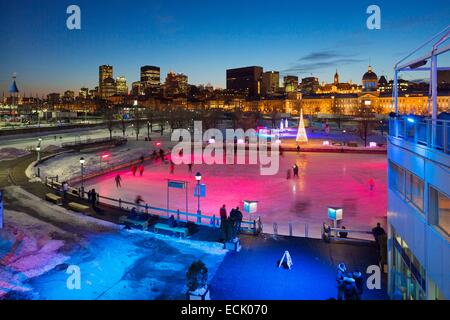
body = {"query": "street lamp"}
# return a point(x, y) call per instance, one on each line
point(198, 177)
point(38, 150)
point(82, 176)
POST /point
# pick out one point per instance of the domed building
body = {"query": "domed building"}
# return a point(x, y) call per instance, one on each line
point(370, 80)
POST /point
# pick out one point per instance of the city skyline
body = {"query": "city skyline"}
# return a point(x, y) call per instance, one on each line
point(48, 57)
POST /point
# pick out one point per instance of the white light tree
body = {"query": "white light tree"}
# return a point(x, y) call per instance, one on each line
point(301, 133)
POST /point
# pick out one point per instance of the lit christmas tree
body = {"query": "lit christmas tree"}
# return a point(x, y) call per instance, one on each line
point(301, 133)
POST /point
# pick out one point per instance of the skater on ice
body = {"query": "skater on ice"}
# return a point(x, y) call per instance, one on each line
point(118, 180)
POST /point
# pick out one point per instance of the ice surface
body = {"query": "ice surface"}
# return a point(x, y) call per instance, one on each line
point(326, 179)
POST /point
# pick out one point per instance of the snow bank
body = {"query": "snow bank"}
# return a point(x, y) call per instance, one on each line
point(12, 153)
point(31, 253)
point(58, 215)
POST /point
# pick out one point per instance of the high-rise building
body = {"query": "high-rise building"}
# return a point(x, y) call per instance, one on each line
point(136, 88)
point(105, 72)
point(309, 85)
point(270, 82)
point(121, 86)
point(108, 88)
point(151, 79)
point(290, 83)
point(245, 80)
point(175, 84)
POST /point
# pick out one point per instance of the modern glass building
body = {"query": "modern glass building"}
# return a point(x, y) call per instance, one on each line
point(419, 191)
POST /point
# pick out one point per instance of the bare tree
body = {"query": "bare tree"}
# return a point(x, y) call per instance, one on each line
point(366, 123)
point(109, 117)
point(137, 122)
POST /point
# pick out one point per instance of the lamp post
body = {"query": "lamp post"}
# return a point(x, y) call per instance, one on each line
point(82, 176)
point(198, 177)
point(38, 150)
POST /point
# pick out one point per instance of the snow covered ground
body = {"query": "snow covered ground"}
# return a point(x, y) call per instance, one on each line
point(36, 250)
point(10, 153)
point(67, 165)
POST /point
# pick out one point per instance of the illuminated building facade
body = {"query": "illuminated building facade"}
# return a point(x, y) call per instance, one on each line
point(105, 72)
point(176, 84)
point(150, 80)
point(246, 80)
point(290, 84)
point(270, 82)
point(121, 86)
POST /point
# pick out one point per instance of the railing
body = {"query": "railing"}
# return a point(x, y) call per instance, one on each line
point(247, 226)
point(434, 134)
point(92, 141)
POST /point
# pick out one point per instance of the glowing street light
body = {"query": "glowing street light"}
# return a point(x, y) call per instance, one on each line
point(198, 177)
point(82, 161)
point(38, 150)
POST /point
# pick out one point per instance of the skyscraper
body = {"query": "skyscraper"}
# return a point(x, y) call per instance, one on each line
point(175, 84)
point(105, 72)
point(270, 82)
point(151, 79)
point(121, 86)
point(246, 79)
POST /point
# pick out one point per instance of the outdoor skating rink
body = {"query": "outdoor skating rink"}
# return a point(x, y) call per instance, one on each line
point(325, 179)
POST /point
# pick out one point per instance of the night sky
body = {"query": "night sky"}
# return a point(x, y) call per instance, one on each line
point(203, 38)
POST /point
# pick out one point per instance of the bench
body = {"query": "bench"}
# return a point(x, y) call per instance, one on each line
point(183, 232)
point(78, 207)
point(141, 224)
point(53, 198)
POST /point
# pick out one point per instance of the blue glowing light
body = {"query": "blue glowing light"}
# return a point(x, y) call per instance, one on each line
point(411, 120)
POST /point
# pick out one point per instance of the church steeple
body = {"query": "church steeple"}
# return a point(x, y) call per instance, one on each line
point(336, 77)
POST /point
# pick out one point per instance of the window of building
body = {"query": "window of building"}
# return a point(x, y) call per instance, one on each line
point(414, 190)
point(440, 210)
point(397, 178)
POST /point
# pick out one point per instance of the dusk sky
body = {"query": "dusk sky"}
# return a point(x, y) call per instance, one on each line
point(203, 38)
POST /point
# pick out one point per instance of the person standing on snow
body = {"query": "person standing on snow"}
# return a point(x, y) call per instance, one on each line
point(141, 170)
point(133, 169)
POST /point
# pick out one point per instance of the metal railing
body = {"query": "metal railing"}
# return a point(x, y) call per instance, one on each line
point(434, 134)
point(247, 226)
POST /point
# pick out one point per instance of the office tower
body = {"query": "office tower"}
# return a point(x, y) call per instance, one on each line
point(150, 79)
point(245, 80)
point(121, 86)
point(270, 82)
point(105, 73)
point(175, 84)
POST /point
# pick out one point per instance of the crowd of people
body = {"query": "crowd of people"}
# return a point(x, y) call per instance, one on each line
point(230, 225)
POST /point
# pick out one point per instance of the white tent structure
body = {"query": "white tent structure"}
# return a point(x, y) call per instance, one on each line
point(301, 133)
